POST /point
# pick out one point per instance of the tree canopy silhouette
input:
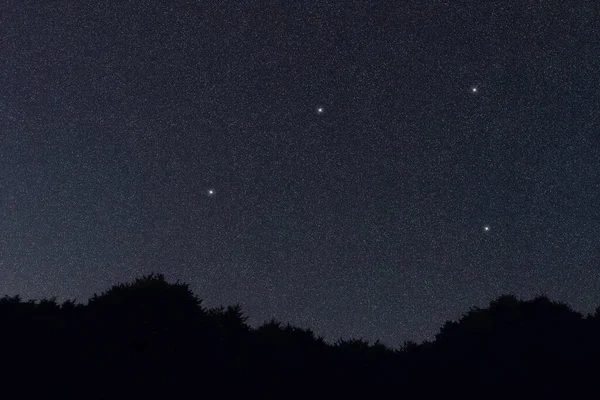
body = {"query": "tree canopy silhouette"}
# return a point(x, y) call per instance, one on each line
point(153, 339)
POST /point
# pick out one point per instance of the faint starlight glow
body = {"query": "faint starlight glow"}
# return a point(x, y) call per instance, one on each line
point(405, 148)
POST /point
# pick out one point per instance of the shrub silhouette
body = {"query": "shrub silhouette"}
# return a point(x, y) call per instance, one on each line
point(153, 339)
point(524, 342)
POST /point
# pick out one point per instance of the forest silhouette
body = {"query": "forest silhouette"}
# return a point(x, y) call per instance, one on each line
point(153, 339)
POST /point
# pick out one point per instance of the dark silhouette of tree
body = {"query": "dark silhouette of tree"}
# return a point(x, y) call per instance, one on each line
point(524, 342)
point(153, 339)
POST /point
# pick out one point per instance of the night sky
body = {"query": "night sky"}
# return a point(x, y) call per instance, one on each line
point(366, 169)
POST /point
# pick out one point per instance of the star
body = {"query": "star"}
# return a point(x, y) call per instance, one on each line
point(474, 89)
point(211, 192)
point(320, 110)
point(486, 228)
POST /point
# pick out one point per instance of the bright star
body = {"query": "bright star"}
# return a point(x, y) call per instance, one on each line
point(211, 192)
point(486, 228)
point(474, 90)
point(320, 110)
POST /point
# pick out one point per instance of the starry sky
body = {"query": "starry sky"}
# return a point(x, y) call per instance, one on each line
point(363, 168)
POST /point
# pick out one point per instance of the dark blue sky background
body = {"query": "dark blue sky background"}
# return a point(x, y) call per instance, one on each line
point(364, 220)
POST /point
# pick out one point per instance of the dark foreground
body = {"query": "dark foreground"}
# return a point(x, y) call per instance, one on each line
point(153, 339)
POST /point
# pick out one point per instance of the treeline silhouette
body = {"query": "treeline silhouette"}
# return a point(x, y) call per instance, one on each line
point(153, 339)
